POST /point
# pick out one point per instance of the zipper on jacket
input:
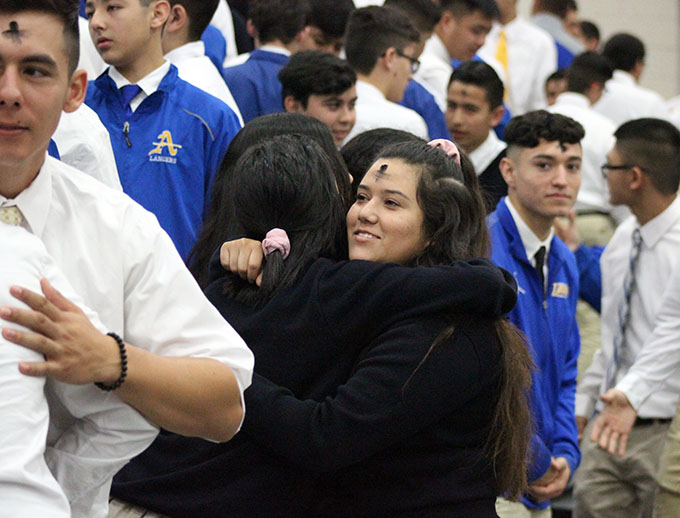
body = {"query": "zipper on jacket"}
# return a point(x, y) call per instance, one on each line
point(126, 133)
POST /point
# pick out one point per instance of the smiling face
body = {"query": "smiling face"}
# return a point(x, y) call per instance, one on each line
point(468, 115)
point(543, 181)
point(335, 110)
point(385, 224)
point(35, 86)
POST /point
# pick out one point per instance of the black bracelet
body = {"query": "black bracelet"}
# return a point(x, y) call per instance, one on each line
point(123, 365)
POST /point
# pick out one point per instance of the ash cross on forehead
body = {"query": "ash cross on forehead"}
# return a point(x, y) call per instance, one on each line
point(381, 172)
point(13, 32)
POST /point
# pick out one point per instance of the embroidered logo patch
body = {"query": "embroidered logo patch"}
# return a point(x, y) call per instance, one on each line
point(560, 290)
point(164, 142)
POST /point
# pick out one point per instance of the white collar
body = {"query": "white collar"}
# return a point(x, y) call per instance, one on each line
point(435, 47)
point(149, 83)
point(275, 49)
point(623, 77)
point(652, 231)
point(530, 240)
point(193, 49)
point(486, 152)
point(572, 99)
point(368, 92)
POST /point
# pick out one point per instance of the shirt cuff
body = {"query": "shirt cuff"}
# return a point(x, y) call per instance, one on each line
point(584, 405)
point(636, 389)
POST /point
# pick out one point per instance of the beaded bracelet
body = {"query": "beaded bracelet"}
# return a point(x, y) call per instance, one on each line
point(123, 365)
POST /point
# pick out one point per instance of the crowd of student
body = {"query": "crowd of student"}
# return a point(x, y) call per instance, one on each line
point(320, 258)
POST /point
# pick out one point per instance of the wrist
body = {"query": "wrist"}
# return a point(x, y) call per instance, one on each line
point(113, 369)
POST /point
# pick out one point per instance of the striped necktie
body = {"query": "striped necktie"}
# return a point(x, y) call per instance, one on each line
point(11, 215)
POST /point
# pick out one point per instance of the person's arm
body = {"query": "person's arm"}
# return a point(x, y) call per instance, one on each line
point(389, 397)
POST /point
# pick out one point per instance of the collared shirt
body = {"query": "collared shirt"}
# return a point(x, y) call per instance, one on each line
point(623, 100)
point(657, 262)
point(149, 83)
point(125, 267)
point(531, 241)
point(375, 111)
point(84, 143)
point(532, 57)
point(598, 141)
point(27, 487)
point(486, 152)
point(196, 68)
point(435, 69)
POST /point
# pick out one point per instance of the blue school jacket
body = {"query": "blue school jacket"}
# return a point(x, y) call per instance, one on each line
point(255, 84)
point(168, 150)
point(550, 325)
point(423, 103)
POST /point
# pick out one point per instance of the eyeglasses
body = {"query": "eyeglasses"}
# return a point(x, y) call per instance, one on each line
point(415, 64)
point(605, 168)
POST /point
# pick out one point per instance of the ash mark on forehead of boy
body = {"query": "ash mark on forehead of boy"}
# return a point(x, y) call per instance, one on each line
point(13, 33)
point(381, 172)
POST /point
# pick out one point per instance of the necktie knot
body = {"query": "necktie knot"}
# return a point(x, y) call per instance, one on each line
point(129, 92)
point(11, 215)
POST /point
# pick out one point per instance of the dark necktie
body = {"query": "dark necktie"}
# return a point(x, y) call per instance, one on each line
point(623, 314)
point(539, 257)
point(129, 92)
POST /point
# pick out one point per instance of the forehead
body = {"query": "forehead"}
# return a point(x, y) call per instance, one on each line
point(469, 93)
point(475, 20)
point(36, 34)
point(345, 96)
point(561, 151)
point(391, 173)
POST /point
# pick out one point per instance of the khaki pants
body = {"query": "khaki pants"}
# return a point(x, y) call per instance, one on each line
point(507, 509)
point(118, 509)
point(667, 498)
point(607, 486)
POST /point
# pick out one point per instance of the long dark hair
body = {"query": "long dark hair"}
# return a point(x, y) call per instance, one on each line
point(454, 212)
point(214, 231)
point(284, 182)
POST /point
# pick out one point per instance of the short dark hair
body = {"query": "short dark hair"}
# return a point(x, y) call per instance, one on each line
point(199, 12)
point(557, 75)
point(654, 146)
point(460, 8)
point(482, 75)
point(278, 19)
point(67, 13)
point(362, 150)
point(284, 182)
point(587, 68)
point(624, 51)
point(590, 30)
point(424, 14)
point(527, 131)
point(314, 72)
point(371, 31)
point(330, 16)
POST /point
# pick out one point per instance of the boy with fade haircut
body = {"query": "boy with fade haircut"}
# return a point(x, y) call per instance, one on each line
point(526, 55)
point(460, 33)
point(168, 136)
point(190, 369)
point(474, 106)
point(326, 25)
point(623, 397)
point(279, 27)
point(382, 46)
point(555, 84)
point(183, 47)
point(586, 78)
point(543, 171)
point(624, 99)
point(323, 86)
point(424, 14)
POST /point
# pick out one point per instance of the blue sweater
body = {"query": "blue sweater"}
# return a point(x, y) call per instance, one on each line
point(255, 84)
point(168, 150)
point(550, 325)
point(423, 102)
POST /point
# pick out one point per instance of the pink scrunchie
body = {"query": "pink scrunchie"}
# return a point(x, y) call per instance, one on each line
point(276, 239)
point(448, 147)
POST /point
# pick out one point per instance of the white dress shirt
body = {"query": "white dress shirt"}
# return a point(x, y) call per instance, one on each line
point(27, 488)
point(125, 267)
point(486, 152)
point(375, 111)
point(598, 141)
point(196, 68)
point(623, 100)
point(435, 69)
point(532, 57)
point(84, 143)
point(657, 262)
